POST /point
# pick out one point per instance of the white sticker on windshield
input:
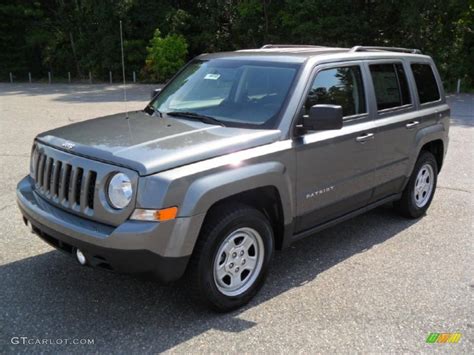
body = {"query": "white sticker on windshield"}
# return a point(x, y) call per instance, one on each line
point(211, 76)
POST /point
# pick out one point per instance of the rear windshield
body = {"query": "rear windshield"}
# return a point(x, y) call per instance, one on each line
point(425, 83)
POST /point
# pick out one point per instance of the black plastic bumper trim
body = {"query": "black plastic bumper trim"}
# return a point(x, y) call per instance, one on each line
point(165, 269)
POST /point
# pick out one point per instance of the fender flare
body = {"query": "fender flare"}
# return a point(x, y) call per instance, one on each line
point(426, 135)
point(207, 190)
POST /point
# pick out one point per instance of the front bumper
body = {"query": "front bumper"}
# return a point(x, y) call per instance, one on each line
point(161, 249)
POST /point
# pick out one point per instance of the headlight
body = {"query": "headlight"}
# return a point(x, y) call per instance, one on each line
point(120, 191)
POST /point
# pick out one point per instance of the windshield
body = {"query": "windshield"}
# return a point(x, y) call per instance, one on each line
point(236, 92)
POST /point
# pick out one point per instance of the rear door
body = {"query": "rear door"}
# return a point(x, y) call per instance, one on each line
point(401, 111)
point(335, 168)
point(396, 127)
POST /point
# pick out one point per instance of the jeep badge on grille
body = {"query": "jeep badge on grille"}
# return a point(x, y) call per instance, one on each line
point(68, 145)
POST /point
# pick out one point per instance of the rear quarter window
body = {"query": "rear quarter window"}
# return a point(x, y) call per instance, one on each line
point(426, 84)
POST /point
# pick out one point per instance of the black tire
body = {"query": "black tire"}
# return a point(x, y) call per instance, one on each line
point(219, 224)
point(407, 205)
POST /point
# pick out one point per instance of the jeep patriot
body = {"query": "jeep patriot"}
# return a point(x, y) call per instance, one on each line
point(240, 154)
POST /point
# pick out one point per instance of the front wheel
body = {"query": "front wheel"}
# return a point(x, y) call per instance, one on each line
point(232, 256)
point(419, 192)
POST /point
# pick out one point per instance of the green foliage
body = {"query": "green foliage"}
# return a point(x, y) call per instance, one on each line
point(165, 55)
point(19, 41)
point(83, 35)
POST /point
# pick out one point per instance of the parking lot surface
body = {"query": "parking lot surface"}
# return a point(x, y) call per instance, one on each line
point(377, 283)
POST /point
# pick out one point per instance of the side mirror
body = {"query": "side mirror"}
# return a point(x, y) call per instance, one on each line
point(154, 92)
point(323, 117)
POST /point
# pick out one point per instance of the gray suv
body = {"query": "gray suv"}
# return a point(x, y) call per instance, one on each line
point(240, 154)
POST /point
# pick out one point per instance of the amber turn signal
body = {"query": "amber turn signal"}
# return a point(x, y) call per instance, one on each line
point(162, 215)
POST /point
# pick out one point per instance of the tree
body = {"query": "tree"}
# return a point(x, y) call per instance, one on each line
point(21, 38)
point(83, 35)
point(165, 55)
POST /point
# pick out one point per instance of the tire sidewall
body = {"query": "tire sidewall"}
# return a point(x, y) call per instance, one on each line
point(252, 219)
point(425, 158)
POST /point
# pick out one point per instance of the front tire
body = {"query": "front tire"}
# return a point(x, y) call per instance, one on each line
point(231, 258)
point(419, 192)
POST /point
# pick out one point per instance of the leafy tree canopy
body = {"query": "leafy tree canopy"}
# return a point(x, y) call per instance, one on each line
point(165, 55)
point(82, 36)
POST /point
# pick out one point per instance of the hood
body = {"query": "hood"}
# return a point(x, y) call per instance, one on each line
point(149, 144)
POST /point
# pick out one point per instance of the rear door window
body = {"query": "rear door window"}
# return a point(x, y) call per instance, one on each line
point(390, 85)
point(425, 83)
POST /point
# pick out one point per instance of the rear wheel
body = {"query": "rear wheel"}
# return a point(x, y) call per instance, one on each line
point(232, 256)
point(419, 192)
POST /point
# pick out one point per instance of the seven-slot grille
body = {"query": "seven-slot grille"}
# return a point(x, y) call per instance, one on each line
point(68, 185)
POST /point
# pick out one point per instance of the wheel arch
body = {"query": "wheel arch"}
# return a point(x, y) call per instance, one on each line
point(436, 147)
point(265, 186)
point(267, 200)
point(432, 139)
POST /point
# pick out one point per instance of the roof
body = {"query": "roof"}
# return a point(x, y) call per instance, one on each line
point(299, 53)
point(301, 50)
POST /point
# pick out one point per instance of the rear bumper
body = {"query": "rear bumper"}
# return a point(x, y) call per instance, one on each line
point(132, 247)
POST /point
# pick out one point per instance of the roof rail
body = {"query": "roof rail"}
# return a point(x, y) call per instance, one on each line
point(389, 49)
point(267, 46)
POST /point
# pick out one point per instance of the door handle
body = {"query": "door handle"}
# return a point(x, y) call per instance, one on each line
point(412, 124)
point(365, 137)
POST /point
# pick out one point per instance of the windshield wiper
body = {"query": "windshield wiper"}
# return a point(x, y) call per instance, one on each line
point(196, 116)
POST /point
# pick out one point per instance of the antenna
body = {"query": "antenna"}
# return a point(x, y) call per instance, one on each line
point(123, 73)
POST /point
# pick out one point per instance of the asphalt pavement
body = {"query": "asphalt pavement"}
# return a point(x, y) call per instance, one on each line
point(377, 283)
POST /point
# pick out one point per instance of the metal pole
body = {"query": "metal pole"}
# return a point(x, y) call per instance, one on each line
point(69, 77)
point(49, 77)
point(110, 76)
point(134, 77)
point(11, 78)
point(29, 77)
point(458, 89)
point(123, 73)
point(90, 78)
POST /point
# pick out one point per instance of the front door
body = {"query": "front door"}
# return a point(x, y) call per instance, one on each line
point(335, 168)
